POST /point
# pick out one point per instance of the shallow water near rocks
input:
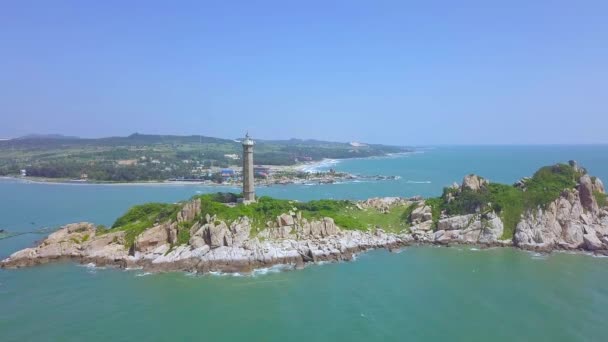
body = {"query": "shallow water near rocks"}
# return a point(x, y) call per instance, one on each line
point(419, 293)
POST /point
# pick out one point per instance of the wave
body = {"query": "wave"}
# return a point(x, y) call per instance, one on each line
point(318, 166)
point(134, 268)
point(418, 182)
point(273, 269)
point(539, 256)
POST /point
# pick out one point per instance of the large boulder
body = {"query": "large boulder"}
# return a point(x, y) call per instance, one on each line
point(285, 220)
point(592, 242)
point(422, 213)
point(151, 238)
point(585, 189)
point(316, 228)
point(474, 228)
point(422, 226)
point(189, 211)
point(109, 246)
point(456, 222)
point(240, 230)
point(217, 234)
point(74, 232)
point(473, 182)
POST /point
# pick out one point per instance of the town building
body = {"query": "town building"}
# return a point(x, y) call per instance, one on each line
point(261, 171)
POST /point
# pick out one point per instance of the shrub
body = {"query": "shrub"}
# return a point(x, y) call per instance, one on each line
point(602, 200)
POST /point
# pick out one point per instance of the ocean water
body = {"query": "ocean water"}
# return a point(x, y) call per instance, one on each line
point(420, 293)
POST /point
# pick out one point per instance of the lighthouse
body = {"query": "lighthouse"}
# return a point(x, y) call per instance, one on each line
point(248, 191)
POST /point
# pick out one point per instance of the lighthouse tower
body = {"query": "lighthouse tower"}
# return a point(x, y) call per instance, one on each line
point(248, 191)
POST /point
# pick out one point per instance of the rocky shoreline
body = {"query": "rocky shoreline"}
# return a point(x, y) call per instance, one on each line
point(575, 221)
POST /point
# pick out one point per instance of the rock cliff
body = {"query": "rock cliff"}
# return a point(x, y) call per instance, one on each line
point(575, 220)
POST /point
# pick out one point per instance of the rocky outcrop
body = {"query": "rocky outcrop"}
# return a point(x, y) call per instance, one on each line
point(158, 235)
point(422, 213)
point(585, 189)
point(383, 204)
point(300, 228)
point(572, 221)
point(475, 228)
point(189, 211)
point(473, 183)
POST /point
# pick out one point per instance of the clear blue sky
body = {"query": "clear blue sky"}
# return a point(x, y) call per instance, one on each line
point(399, 72)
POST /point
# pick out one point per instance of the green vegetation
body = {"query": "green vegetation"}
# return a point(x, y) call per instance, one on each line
point(510, 202)
point(183, 233)
point(345, 214)
point(370, 218)
point(602, 200)
point(141, 217)
point(406, 215)
point(547, 183)
point(141, 157)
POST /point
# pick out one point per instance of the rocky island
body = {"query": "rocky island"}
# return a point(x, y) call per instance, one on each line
point(561, 207)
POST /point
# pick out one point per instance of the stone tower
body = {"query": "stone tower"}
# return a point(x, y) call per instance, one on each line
point(248, 191)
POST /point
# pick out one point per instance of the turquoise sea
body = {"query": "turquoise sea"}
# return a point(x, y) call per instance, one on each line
point(420, 293)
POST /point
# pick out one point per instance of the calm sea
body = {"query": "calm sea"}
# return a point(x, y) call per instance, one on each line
point(417, 294)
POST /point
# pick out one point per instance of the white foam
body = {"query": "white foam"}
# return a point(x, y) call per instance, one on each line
point(133, 268)
point(418, 182)
point(317, 166)
point(273, 269)
point(143, 274)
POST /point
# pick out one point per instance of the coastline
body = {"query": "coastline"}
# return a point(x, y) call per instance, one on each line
point(309, 167)
point(286, 254)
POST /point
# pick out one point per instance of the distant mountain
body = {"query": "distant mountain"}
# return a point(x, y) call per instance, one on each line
point(152, 139)
point(45, 136)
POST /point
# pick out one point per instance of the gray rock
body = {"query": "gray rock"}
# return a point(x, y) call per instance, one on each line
point(197, 241)
point(217, 235)
point(240, 230)
point(423, 226)
point(561, 223)
point(421, 214)
point(592, 242)
point(473, 182)
point(585, 189)
point(285, 220)
point(456, 222)
point(151, 238)
point(189, 211)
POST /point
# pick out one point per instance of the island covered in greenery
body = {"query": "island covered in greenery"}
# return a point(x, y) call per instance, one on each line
point(559, 207)
point(509, 202)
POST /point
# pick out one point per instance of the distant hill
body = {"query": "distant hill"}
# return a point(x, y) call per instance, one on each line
point(140, 157)
point(45, 136)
